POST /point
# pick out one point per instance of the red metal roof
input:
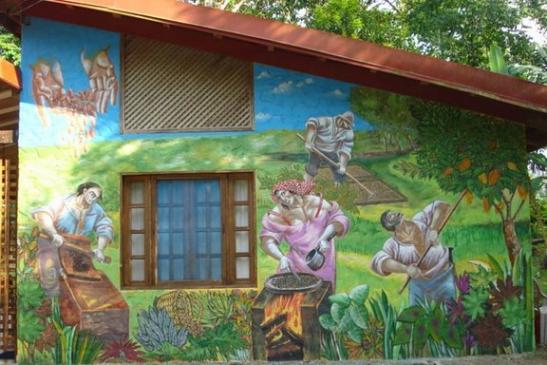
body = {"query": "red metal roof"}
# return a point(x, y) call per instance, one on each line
point(315, 52)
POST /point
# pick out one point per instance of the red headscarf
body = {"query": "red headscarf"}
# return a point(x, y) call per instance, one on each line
point(298, 187)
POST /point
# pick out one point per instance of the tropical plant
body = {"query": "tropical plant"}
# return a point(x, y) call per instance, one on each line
point(122, 351)
point(156, 328)
point(30, 326)
point(222, 343)
point(356, 329)
point(73, 346)
point(385, 313)
point(428, 324)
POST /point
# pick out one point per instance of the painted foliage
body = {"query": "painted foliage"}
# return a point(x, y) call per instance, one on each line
point(356, 191)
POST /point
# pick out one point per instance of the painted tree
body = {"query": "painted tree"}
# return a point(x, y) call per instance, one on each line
point(464, 151)
point(389, 114)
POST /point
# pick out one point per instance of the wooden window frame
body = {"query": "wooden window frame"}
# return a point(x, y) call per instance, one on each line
point(229, 255)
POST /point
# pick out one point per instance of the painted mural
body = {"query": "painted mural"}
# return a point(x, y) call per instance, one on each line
point(387, 227)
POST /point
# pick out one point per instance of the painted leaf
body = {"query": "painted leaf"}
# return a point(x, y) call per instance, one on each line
point(496, 266)
point(437, 324)
point(337, 312)
point(512, 313)
point(359, 315)
point(29, 326)
point(403, 334)
point(355, 333)
point(327, 322)
point(474, 302)
point(411, 314)
point(345, 322)
point(452, 336)
point(359, 294)
point(420, 334)
point(341, 299)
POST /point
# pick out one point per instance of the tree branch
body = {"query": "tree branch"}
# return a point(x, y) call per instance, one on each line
point(519, 208)
point(392, 6)
point(499, 211)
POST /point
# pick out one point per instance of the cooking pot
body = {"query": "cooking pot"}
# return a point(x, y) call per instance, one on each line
point(315, 259)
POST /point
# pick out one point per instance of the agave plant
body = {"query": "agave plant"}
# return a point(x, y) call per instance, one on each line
point(156, 328)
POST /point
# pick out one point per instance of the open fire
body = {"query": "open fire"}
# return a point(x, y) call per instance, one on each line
point(286, 326)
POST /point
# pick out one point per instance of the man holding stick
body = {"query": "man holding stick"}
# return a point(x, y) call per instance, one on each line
point(332, 137)
point(430, 271)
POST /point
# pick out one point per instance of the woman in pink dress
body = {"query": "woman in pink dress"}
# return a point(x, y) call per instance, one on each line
point(306, 222)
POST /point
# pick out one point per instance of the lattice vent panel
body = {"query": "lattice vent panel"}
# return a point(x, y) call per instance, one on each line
point(8, 246)
point(172, 88)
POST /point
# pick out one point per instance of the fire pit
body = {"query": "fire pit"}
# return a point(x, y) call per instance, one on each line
point(286, 317)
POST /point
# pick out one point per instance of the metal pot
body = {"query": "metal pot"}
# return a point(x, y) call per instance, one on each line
point(315, 259)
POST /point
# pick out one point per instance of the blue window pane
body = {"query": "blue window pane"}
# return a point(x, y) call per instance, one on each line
point(204, 265)
point(162, 219)
point(215, 217)
point(163, 270)
point(201, 243)
point(179, 193)
point(202, 190)
point(215, 242)
point(201, 217)
point(216, 267)
point(178, 243)
point(214, 194)
point(163, 192)
point(177, 218)
point(163, 244)
point(178, 269)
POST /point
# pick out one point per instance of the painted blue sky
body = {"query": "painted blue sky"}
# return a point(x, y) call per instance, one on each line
point(283, 99)
point(286, 99)
point(54, 41)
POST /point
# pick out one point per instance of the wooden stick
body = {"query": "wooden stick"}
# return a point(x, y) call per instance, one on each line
point(439, 232)
point(322, 155)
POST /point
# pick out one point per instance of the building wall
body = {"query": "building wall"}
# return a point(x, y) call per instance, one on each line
point(409, 156)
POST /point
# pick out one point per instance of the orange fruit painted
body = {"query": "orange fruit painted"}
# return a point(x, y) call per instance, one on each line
point(512, 166)
point(448, 171)
point(469, 197)
point(493, 177)
point(522, 191)
point(485, 205)
point(483, 178)
point(465, 164)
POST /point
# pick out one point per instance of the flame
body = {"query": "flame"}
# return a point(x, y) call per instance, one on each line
point(288, 305)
